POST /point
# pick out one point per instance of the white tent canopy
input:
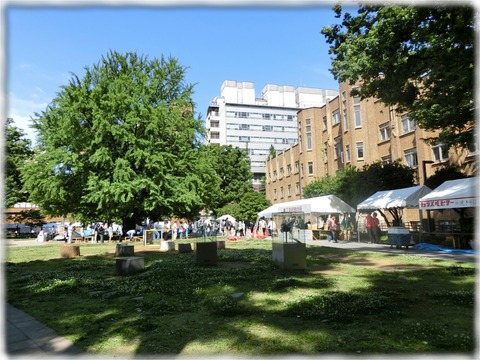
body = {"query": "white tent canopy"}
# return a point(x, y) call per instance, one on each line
point(459, 193)
point(328, 204)
point(399, 198)
point(226, 217)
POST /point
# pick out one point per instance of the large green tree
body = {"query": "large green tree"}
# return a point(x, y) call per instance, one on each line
point(120, 143)
point(17, 151)
point(416, 57)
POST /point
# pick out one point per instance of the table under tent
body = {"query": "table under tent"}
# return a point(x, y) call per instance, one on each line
point(394, 202)
point(454, 204)
point(311, 212)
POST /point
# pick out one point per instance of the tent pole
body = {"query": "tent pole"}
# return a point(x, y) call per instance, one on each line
point(421, 224)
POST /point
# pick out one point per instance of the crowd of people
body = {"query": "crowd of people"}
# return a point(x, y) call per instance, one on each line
point(99, 232)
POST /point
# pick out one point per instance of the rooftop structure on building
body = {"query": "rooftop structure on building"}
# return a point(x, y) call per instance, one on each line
point(241, 118)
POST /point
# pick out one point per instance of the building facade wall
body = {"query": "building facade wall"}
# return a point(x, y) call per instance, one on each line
point(349, 131)
point(238, 118)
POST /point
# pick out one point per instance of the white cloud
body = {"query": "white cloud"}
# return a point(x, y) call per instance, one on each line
point(21, 111)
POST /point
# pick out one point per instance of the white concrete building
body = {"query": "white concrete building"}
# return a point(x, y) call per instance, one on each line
point(240, 118)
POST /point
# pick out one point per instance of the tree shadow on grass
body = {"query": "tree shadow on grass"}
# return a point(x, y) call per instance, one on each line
point(245, 305)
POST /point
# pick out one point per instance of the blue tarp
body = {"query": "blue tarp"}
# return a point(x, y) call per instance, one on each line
point(426, 246)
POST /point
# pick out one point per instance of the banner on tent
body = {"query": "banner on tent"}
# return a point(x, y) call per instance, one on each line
point(448, 203)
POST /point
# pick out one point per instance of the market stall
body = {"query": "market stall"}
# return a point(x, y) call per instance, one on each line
point(316, 209)
point(459, 196)
point(394, 201)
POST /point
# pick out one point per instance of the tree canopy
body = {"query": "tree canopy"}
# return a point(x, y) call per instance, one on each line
point(420, 59)
point(120, 143)
point(17, 151)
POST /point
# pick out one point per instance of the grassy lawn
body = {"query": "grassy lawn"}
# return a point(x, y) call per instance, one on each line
point(346, 302)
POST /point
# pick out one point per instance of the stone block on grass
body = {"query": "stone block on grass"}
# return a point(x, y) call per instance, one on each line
point(167, 246)
point(206, 253)
point(130, 265)
point(184, 247)
point(124, 250)
point(69, 251)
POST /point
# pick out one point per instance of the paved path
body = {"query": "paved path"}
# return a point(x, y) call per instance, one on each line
point(27, 337)
point(387, 249)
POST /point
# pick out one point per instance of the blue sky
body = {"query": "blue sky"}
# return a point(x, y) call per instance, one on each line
point(264, 45)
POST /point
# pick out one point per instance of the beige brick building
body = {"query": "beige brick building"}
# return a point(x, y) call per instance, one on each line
point(350, 131)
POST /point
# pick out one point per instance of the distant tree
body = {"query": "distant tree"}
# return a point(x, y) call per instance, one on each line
point(420, 58)
point(248, 207)
point(251, 204)
point(17, 151)
point(232, 166)
point(121, 143)
point(343, 185)
point(444, 174)
point(272, 152)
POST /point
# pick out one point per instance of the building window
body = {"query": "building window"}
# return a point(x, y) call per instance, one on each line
point(385, 131)
point(358, 116)
point(411, 158)
point(297, 188)
point(310, 168)
point(215, 135)
point(214, 123)
point(308, 130)
point(440, 153)
point(325, 156)
point(302, 171)
point(297, 167)
point(274, 175)
point(289, 170)
point(386, 159)
point(345, 117)
point(280, 177)
point(275, 194)
point(281, 193)
point(336, 117)
point(324, 122)
point(408, 125)
point(300, 143)
point(338, 147)
point(266, 116)
point(347, 153)
point(289, 190)
point(360, 151)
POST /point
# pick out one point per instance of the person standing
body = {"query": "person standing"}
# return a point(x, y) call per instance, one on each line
point(156, 232)
point(373, 228)
point(271, 227)
point(110, 232)
point(376, 228)
point(263, 226)
point(120, 232)
point(347, 226)
point(333, 227)
point(69, 233)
